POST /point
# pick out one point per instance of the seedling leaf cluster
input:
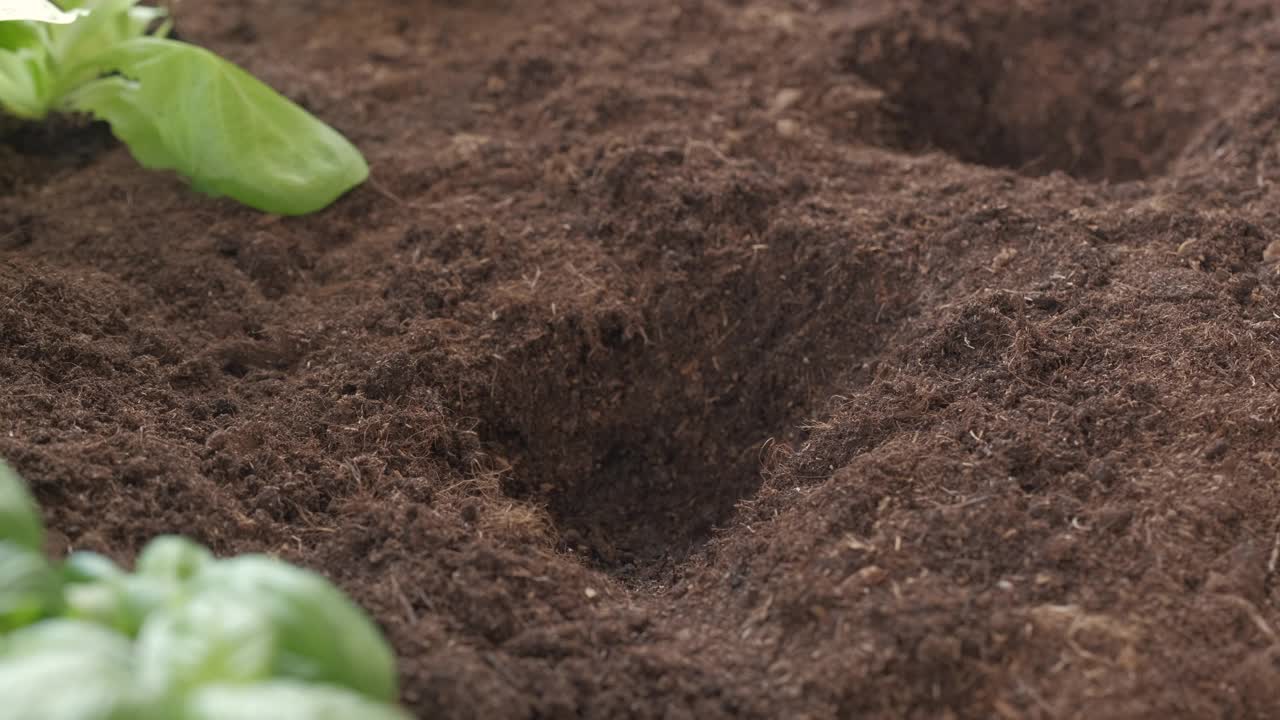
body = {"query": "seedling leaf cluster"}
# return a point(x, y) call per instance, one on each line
point(175, 105)
point(186, 636)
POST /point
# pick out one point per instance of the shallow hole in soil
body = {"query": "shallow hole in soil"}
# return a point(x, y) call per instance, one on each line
point(1036, 93)
point(640, 444)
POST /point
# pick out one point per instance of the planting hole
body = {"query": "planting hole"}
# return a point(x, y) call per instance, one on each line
point(641, 429)
point(1037, 89)
point(640, 449)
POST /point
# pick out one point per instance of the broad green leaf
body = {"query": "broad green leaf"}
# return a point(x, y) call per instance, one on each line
point(26, 70)
point(21, 36)
point(71, 635)
point(173, 557)
point(321, 635)
point(121, 602)
point(212, 638)
point(39, 10)
point(282, 700)
point(85, 566)
point(19, 516)
point(180, 107)
point(23, 82)
point(28, 587)
point(94, 590)
point(106, 24)
point(122, 605)
point(68, 670)
point(40, 63)
point(97, 602)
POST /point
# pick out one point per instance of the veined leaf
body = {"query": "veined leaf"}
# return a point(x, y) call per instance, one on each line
point(180, 107)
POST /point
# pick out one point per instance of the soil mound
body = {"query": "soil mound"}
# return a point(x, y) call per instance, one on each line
point(716, 358)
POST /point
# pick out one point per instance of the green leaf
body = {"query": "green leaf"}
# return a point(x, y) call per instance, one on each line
point(100, 592)
point(122, 605)
point(107, 24)
point(322, 636)
point(173, 557)
point(28, 587)
point(283, 700)
point(21, 36)
point(22, 82)
point(212, 638)
point(84, 566)
point(19, 515)
point(68, 635)
point(94, 589)
point(26, 70)
point(39, 64)
point(68, 670)
point(180, 107)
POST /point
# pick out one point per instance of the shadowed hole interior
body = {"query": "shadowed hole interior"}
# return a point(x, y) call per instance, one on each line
point(640, 443)
point(1037, 89)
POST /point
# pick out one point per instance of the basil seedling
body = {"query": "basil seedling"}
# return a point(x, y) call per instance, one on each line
point(186, 636)
point(175, 105)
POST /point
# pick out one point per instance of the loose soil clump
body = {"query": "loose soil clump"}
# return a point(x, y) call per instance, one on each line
point(705, 359)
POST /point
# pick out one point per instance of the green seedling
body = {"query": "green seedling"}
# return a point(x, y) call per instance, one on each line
point(176, 106)
point(185, 636)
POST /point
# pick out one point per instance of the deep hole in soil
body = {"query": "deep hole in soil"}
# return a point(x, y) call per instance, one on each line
point(1035, 93)
point(640, 444)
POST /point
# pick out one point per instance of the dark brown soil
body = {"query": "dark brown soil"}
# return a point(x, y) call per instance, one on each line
point(713, 358)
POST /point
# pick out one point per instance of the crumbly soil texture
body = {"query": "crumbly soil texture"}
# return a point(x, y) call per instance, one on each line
point(705, 359)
